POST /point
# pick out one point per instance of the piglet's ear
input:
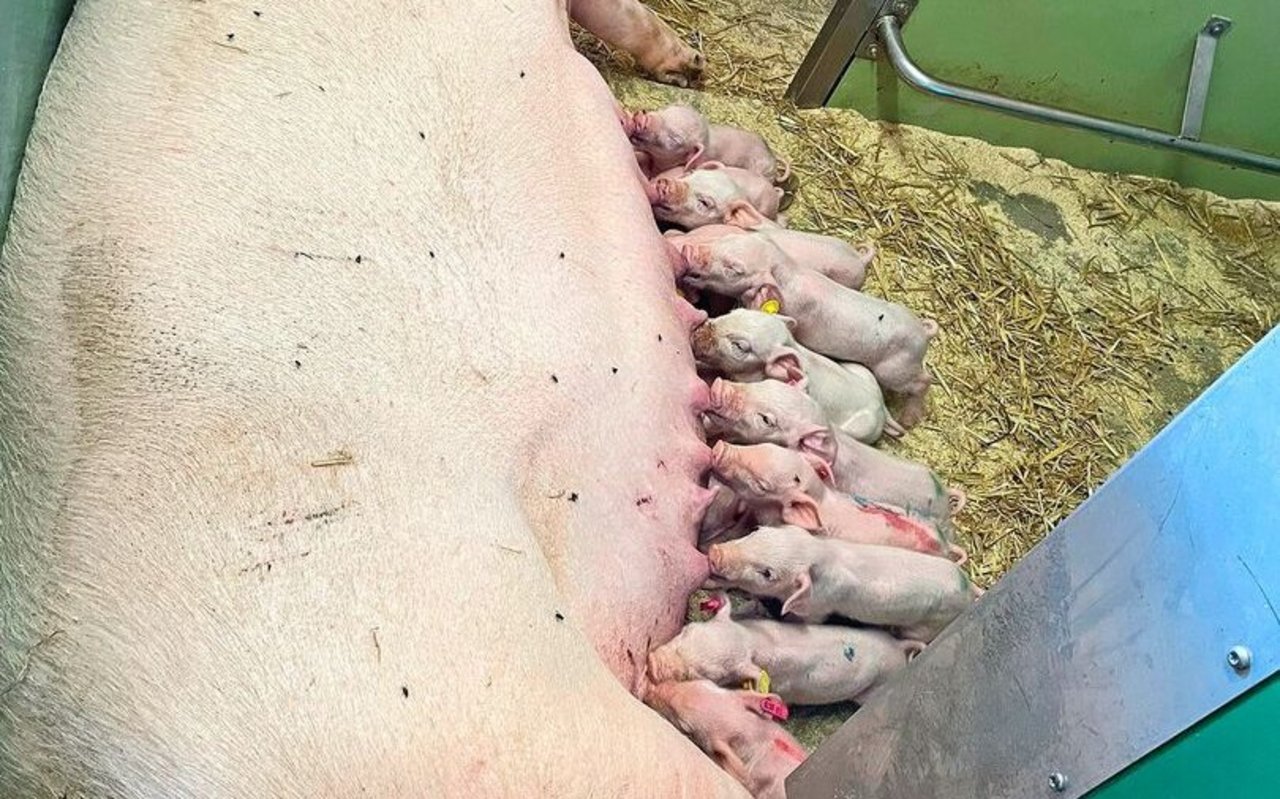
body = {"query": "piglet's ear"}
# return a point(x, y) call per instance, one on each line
point(707, 164)
point(802, 590)
point(820, 444)
point(726, 759)
point(822, 468)
point(761, 297)
point(743, 214)
point(800, 509)
point(784, 365)
point(694, 156)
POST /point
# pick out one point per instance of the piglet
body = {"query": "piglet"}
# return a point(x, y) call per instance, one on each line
point(782, 485)
point(817, 578)
point(752, 345)
point(807, 664)
point(737, 729)
point(773, 412)
point(680, 136)
point(829, 318)
point(837, 259)
point(711, 193)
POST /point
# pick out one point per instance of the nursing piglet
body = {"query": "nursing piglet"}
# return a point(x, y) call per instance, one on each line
point(711, 193)
point(829, 318)
point(773, 412)
point(837, 259)
point(680, 136)
point(753, 345)
point(782, 485)
point(807, 664)
point(737, 729)
point(817, 578)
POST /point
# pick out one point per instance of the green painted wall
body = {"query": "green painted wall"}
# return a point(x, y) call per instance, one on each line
point(29, 34)
point(1123, 59)
point(1233, 753)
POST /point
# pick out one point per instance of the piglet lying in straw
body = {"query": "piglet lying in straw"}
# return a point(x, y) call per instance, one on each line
point(783, 485)
point(679, 136)
point(773, 412)
point(753, 345)
point(738, 729)
point(829, 318)
point(816, 578)
point(711, 193)
point(808, 664)
point(837, 259)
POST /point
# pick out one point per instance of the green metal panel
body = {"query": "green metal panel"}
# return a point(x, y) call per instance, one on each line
point(1124, 59)
point(29, 34)
point(1234, 752)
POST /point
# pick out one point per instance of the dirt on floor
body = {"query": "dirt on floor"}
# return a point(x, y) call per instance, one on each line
point(1079, 311)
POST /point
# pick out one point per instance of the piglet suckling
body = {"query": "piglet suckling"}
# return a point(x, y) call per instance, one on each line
point(773, 412)
point(837, 259)
point(815, 577)
point(738, 729)
point(711, 193)
point(829, 318)
point(752, 345)
point(782, 485)
point(807, 664)
point(679, 135)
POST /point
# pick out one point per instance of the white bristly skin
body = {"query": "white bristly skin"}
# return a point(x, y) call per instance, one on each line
point(817, 577)
point(291, 504)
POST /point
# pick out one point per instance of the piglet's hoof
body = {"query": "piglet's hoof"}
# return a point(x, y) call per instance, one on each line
point(683, 70)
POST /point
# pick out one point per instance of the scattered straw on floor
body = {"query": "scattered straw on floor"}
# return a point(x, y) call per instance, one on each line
point(1079, 311)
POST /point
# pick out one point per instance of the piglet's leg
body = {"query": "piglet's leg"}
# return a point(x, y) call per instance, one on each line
point(628, 25)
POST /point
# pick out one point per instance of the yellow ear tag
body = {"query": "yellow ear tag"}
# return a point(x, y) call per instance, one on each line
point(761, 685)
point(771, 306)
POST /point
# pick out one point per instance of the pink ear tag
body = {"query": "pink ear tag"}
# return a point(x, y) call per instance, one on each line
point(775, 708)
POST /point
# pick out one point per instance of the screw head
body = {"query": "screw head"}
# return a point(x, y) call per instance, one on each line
point(873, 51)
point(1058, 781)
point(1240, 658)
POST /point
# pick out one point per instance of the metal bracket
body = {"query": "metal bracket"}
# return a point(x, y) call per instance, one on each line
point(850, 29)
point(1201, 71)
point(901, 9)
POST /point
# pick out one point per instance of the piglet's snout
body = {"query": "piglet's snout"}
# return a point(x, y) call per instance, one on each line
point(715, 556)
point(693, 255)
point(719, 455)
point(703, 341)
point(717, 394)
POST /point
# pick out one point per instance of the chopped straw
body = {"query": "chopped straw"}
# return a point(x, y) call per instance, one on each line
point(1078, 311)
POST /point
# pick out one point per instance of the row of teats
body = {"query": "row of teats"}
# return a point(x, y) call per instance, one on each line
point(832, 562)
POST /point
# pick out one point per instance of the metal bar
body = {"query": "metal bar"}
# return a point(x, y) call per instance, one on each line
point(1201, 72)
point(842, 36)
point(890, 35)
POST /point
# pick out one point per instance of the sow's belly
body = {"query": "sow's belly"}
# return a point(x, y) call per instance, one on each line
point(353, 416)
